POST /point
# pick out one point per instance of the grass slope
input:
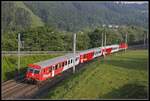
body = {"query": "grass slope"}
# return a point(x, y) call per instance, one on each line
point(9, 64)
point(119, 76)
point(36, 21)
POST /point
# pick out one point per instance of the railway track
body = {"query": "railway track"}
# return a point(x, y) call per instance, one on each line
point(11, 88)
point(11, 85)
point(22, 90)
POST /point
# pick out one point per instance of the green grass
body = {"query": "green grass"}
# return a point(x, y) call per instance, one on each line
point(120, 76)
point(9, 64)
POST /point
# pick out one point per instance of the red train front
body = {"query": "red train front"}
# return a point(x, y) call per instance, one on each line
point(33, 73)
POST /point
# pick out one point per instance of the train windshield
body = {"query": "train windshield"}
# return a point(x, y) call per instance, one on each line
point(35, 71)
point(30, 70)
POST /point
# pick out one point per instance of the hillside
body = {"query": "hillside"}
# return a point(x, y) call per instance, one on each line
point(36, 21)
point(72, 16)
point(17, 16)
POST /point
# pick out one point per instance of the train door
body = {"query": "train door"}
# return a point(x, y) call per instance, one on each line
point(71, 62)
point(77, 60)
point(89, 56)
point(53, 70)
point(81, 58)
point(108, 51)
point(65, 65)
point(58, 68)
point(96, 53)
point(46, 73)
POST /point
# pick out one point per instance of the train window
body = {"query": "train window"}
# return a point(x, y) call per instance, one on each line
point(53, 68)
point(69, 62)
point(60, 65)
point(50, 69)
point(93, 53)
point(76, 59)
point(43, 70)
point(36, 71)
point(57, 66)
point(30, 70)
point(66, 63)
point(114, 48)
point(63, 64)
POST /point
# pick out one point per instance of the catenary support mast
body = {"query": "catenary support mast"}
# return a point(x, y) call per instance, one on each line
point(74, 51)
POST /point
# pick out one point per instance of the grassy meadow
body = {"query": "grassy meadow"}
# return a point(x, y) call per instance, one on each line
point(119, 76)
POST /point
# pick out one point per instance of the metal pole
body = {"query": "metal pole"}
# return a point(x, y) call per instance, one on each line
point(126, 41)
point(18, 52)
point(105, 45)
point(102, 43)
point(102, 40)
point(147, 38)
point(144, 40)
point(74, 49)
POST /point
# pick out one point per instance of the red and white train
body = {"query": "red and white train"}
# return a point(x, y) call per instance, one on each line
point(41, 71)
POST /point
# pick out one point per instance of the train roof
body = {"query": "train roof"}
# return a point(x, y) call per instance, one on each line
point(55, 60)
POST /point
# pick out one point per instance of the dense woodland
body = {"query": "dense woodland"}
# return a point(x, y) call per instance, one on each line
point(50, 25)
point(46, 38)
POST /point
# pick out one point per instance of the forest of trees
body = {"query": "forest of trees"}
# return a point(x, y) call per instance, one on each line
point(50, 26)
point(47, 38)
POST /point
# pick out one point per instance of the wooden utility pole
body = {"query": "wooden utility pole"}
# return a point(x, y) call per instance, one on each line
point(74, 51)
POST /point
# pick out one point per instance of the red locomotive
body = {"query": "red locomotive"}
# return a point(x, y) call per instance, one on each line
point(41, 71)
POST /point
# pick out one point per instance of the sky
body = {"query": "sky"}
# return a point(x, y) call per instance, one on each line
point(138, 2)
